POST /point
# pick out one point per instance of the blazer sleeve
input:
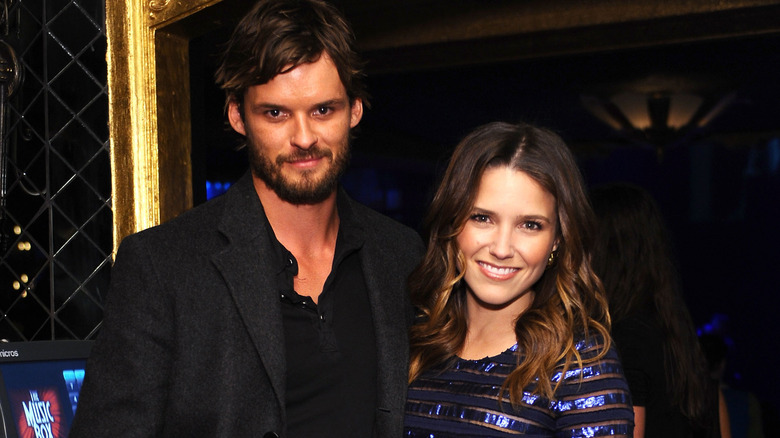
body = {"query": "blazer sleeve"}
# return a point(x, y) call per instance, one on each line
point(124, 392)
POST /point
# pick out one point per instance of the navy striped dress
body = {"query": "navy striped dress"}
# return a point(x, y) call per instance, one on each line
point(463, 401)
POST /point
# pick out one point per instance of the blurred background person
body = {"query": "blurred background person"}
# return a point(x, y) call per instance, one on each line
point(744, 408)
point(672, 391)
point(513, 332)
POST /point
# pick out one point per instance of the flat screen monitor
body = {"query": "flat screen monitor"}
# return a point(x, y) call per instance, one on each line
point(39, 387)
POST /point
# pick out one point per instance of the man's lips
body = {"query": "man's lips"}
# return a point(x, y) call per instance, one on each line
point(308, 158)
point(305, 162)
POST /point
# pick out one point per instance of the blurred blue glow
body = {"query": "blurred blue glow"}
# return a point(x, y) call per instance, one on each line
point(216, 188)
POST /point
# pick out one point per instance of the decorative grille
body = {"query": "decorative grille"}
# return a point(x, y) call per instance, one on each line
point(55, 209)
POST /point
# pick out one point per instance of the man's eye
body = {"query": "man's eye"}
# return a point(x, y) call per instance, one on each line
point(274, 113)
point(324, 110)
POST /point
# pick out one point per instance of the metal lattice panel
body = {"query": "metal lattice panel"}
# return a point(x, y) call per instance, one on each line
point(56, 213)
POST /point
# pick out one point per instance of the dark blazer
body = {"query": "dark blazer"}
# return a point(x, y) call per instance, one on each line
point(192, 342)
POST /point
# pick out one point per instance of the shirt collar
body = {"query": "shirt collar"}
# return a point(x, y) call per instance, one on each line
point(350, 238)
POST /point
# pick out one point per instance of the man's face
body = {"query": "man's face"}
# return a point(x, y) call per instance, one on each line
point(297, 130)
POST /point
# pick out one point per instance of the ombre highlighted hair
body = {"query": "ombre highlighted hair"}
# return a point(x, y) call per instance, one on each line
point(569, 300)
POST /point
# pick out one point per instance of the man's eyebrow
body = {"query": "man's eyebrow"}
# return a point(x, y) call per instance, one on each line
point(265, 106)
point(269, 105)
point(331, 102)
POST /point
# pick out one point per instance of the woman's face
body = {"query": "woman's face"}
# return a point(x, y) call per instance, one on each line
point(506, 241)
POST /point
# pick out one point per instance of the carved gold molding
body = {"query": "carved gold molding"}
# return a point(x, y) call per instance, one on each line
point(150, 164)
point(158, 5)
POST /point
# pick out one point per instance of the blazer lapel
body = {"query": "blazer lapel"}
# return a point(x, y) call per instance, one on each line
point(389, 314)
point(244, 266)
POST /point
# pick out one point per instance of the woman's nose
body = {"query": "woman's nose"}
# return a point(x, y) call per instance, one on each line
point(502, 247)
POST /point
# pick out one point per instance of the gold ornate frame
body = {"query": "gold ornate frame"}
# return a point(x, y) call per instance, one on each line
point(149, 113)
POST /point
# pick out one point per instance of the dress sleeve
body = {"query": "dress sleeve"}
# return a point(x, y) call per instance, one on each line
point(125, 388)
point(594, 400)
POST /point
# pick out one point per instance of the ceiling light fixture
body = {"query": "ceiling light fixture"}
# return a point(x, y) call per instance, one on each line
point(650, 113)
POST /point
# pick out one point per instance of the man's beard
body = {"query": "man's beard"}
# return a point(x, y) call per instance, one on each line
point(306, 190)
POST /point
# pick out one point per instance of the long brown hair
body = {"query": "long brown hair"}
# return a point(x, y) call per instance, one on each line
point(569, 299)
point(634, 258)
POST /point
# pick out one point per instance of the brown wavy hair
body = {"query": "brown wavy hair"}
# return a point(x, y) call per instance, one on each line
point(633, 256)
point(569, 299)
point(276, 36)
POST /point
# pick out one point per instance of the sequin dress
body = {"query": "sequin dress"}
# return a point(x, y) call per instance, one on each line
point(463, 401)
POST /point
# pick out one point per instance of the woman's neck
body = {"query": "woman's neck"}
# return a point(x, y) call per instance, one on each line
point(491, 330)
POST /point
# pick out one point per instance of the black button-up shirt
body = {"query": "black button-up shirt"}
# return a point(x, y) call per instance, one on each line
point(330, 345)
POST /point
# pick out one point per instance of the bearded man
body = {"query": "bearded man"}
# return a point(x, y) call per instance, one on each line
point(280, 308)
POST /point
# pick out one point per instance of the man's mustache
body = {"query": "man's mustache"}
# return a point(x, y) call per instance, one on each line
point(314, 152)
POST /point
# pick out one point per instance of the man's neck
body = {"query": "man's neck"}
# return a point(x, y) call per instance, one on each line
point(302, 228)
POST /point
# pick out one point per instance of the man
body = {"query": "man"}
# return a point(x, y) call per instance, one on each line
point(278, 309)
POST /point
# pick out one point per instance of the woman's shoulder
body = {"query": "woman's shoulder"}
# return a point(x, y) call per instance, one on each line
point(591, 345)
point(595, 364)
point(593, 390)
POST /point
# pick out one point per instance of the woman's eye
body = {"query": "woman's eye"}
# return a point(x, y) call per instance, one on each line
point(532, 225)
point(480, 218)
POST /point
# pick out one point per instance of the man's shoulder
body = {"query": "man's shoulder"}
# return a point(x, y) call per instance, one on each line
point(192, 231)
point(203, 215)
point(236, 202)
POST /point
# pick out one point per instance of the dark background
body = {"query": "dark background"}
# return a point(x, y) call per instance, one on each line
point(719, 188)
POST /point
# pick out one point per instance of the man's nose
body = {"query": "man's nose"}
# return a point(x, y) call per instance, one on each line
point(303, 135)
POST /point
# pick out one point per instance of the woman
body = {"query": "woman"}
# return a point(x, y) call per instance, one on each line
point(666, 370)
point(513, 331)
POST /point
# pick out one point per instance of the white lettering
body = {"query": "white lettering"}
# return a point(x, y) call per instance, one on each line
point(29, 413)
point(43, 431)
point(38, 415)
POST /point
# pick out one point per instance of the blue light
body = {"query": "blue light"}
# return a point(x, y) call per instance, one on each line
point(216, 188)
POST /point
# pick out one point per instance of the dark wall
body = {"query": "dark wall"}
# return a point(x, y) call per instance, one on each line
point(718, 190)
